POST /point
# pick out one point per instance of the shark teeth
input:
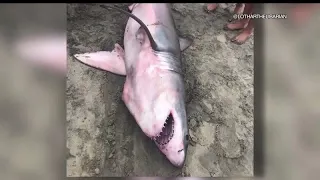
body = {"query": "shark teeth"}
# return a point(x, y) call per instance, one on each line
point(160, 141)
point(164, 125)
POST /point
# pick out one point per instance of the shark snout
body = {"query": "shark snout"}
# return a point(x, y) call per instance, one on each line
point(175, 148)
point(178, 160)
point(176, 155)
point(180, 157)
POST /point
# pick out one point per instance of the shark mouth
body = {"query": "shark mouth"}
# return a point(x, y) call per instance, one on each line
point(167, 132)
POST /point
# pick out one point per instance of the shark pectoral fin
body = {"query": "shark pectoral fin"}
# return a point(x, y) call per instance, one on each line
point(109, 61)
point(184, 43)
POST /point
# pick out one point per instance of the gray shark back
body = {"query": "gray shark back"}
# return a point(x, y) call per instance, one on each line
point(165, 35)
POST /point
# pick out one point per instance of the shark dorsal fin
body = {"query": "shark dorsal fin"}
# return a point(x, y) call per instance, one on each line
point(154, 45)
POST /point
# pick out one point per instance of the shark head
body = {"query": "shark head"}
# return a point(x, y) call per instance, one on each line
point(155, 97)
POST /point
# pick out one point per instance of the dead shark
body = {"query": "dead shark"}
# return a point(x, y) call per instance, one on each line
point(154, 88)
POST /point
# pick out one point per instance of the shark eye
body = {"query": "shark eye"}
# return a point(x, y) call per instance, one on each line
point(187, 137)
